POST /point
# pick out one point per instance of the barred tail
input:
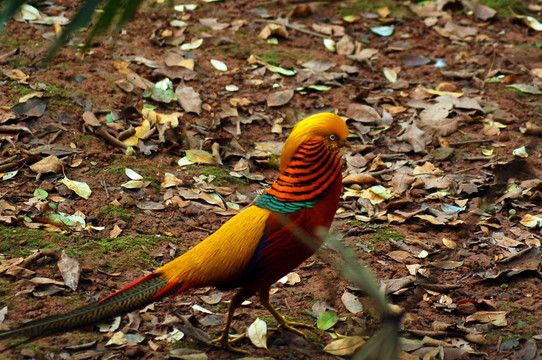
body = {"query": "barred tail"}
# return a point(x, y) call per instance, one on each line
point(132, 297)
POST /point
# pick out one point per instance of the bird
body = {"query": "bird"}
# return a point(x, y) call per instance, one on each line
point(249, 252)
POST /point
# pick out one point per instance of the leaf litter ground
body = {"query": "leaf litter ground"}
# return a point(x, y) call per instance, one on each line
point(441, 201)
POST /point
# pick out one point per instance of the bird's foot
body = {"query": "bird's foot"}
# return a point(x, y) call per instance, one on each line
point(226, 343)
point(291, 326)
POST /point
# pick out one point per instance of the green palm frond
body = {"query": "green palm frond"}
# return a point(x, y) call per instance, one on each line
point(112, 12)
point(7, 10)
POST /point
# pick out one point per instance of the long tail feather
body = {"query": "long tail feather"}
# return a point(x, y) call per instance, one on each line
point(132, 297)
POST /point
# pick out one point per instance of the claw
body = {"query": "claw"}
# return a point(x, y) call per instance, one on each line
point(227, 343)
point(290, 325)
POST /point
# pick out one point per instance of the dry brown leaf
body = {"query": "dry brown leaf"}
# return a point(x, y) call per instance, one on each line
point(280, 98)
point(359, 179)
point(188, 98)
point(352, 303)
point(50, 164)
point(497, 318)
point(70, 270)
point(363, 114)
point(115, 232)
point(345, 346)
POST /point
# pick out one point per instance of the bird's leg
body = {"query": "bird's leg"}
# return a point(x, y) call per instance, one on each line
point(224, 340)
point(263, 295)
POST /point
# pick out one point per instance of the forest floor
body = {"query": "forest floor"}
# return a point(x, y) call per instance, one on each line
point(103, 177)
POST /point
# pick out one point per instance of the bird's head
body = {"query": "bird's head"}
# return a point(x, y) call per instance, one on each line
point(329, 127)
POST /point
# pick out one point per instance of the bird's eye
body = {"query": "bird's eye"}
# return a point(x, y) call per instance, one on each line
point(332, 137)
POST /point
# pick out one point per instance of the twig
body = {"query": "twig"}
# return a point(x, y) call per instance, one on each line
point(479, 158)
point(54, 253)
point(308, 32)
point(102, 181)
point(468, 142)
point(380, 172)
point(392, 156)
point(464, 170)
point(369, 80)
point(110, 139)
point(55, 136)
point(8, 160)
point(127, 133)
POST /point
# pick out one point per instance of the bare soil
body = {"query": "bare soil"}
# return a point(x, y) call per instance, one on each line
point(89, 84)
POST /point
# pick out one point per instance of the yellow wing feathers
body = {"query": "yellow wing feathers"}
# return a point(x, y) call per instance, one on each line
point(222, 256)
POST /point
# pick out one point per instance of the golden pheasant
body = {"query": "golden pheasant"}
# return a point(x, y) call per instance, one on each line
point(253, 249)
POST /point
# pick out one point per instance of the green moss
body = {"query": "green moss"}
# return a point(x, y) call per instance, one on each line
point(146, 168)
point(313, 339)
point(275, 55)
point(384, 233)
point(5, 288)
point(232, 49)
point(270, 56)
point(503, 6)
point(268, 318)
point(118, 212)
point(39, 347)
point(221, 175)
point(519, 335)
point(358, 7)
point(20, 242)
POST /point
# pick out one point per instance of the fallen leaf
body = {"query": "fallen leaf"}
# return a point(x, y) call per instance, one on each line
point(70, 270)
point(326, 320)
point(219, 65)
point(170, 180)
point(352, 303)
point(497, 318)
point(363, 113)
point(411, 59)
point(450, 244)
point(280, 98)
point(188, 98)
point(115, 232)
point(345, 346)
point(118, 338)
point(80, 188)
point(257, 333)
point(212, 299)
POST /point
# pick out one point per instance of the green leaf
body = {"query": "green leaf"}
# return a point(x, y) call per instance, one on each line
point(8, 9)
point(326, 320)
point(41, 194)
point(112, 10)
point(525, 88)
point(280, 70)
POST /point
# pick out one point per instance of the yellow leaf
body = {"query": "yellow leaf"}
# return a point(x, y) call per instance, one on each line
point(139, 132)
point(488, 152)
